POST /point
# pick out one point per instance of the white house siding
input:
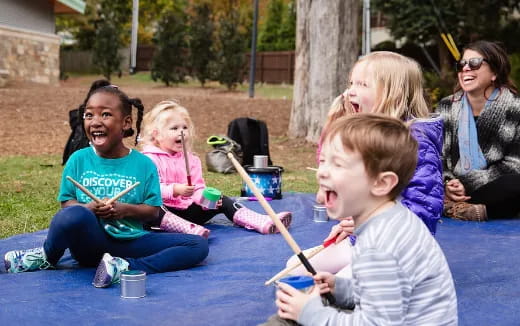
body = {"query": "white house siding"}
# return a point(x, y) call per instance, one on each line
point(34, 15)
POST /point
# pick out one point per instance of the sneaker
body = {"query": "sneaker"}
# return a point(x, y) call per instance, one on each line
point(109, 271)
point(466, 211)
point(18, 261)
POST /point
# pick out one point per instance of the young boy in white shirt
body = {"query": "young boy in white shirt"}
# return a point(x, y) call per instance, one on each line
point(400, 274)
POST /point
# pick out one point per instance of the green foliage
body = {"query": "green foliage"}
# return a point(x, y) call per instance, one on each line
point(437, 88)
point(287, 36)
point(105, 56)
point(268, 38)
point(278, 32)
point(83, 27)
point(171, 59)
point(201, 41)
point(231, 45)
point(515, 68)
point(421, 21)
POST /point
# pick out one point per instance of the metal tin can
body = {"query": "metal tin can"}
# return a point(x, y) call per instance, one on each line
point(260, 161)
point(210, 197)
point(133, 284)
point(268, 181)
point(319, 213)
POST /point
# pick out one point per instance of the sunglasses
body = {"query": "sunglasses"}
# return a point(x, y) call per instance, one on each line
point(473, 63)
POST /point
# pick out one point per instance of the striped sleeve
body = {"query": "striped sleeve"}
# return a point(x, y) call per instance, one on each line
point(380, 279)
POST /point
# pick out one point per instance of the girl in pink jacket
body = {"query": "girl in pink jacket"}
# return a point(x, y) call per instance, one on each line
point(182, 210)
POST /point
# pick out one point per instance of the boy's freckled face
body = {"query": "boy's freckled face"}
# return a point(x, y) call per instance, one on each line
point(169, 135)
point(362, 91)
point(343, 178)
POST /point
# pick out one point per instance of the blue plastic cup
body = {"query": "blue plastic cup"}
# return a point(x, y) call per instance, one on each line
point(302, 283)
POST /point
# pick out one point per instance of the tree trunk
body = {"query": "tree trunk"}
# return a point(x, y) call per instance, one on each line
point(327, 46)
point(445, 60)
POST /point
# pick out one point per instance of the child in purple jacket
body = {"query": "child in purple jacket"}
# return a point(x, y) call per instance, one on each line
point(390, 84)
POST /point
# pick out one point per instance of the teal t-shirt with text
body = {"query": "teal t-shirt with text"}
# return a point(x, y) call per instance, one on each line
point(105, 178)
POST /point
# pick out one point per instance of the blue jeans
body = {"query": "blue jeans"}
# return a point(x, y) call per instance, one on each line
point(78, 229)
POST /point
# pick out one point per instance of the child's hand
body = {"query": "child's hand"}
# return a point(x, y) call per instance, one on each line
point(290, 301)
point(325, 281)
point(113, 211)
point(343, 229)
point(183, 190)
point(100, 209)
point(219, 203)
point(455, 190)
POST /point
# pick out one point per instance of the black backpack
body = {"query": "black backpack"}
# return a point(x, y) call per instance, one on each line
point(77, 139)
point(252, 136)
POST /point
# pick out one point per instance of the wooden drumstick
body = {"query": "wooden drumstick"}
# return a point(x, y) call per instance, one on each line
point(85, 190)
point(283, 231)
point(311, 254)
point(287, 270)
point(188, 175)
point(122, 193)
point(97, 200)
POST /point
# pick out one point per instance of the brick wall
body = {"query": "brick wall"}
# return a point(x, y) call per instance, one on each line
point(29, 56)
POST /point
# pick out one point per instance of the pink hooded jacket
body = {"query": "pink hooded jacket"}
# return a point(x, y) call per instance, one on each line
point(172, 170)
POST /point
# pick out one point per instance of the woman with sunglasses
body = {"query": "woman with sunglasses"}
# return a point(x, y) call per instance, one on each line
point(481, 154)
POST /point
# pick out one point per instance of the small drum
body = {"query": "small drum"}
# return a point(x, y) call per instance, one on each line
point(268, 180)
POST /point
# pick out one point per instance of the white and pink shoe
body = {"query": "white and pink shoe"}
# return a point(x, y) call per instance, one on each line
point(174, 223)
point(261, 223)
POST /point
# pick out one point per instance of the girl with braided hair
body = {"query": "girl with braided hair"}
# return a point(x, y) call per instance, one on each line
point(93, 231)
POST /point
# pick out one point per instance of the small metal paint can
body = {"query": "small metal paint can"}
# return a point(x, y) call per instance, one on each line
point(210, 197)
point(319, 213)
point(133, 284)
point(260, 161)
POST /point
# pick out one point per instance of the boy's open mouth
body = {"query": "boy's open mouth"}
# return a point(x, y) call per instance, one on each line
point(330, 198)
point(355, 106)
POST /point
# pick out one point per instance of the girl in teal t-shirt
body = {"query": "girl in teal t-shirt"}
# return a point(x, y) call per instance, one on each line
point(93, 231)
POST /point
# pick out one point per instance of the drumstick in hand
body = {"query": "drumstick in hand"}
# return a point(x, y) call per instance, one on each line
point(97, 200)
point(122, 193)
point(314, 252)
point(85, 190)
point(288, 238)
point(188, 176)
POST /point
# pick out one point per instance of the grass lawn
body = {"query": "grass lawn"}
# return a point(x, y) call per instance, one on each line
point(29, 184)
point(29, 187)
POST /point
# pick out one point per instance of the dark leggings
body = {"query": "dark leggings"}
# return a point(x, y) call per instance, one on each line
point(501, 196)
point(78, 229)
point(198, 215)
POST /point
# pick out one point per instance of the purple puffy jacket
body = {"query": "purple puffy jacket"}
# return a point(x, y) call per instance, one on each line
point(425, 192)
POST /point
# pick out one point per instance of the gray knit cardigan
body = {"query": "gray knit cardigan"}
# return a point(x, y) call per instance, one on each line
point(498, 130)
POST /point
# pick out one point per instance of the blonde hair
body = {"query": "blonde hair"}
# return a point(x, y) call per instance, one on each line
point(157, 118)
point(384, 143)
point(398, 81)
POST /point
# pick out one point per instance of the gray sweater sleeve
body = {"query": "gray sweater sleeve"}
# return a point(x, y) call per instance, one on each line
point(384, 288)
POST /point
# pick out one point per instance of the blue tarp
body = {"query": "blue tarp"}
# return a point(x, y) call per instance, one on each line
point(227, 289)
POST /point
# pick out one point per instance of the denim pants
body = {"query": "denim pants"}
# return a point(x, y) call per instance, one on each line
point(78, 229)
